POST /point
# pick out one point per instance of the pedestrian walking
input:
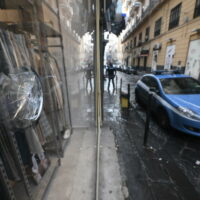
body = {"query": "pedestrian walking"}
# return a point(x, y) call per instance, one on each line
point(88, 76)
point(111, 73)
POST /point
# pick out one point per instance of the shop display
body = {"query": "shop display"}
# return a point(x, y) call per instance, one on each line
point(32, 114)
point(22, 93)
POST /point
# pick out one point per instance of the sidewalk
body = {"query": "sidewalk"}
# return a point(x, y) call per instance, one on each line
point(164, 170)
point(75, 179)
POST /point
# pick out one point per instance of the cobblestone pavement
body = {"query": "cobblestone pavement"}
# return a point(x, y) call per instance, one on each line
point(168, 168)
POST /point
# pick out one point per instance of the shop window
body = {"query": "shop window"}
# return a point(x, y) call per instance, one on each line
point(197, 9)
point(157, 30)
point(175, 16)
point(147, 34)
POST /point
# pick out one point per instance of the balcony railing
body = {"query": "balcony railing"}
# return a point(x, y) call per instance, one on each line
point(145, 13)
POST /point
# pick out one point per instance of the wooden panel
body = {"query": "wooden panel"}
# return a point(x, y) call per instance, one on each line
point(50, 18)
point(10, 16)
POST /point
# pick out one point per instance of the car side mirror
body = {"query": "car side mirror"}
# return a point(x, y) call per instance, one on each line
point(153, 89)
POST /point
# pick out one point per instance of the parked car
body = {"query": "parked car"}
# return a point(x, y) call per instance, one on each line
point(131, 70)
point(116, 67)
point(127, 70)
point(175, 101)
point(122, 68)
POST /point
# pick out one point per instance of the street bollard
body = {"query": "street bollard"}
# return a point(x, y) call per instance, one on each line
point(148, 116)
point(129, 95)
point(116, 83)
point(120, 86)
point(125, 97)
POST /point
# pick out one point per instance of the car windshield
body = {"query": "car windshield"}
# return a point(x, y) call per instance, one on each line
point(185, 85)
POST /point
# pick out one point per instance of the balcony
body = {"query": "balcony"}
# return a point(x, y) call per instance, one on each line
point(131, 11)
point(128, 2)
point(137, 5)
point(134, 8)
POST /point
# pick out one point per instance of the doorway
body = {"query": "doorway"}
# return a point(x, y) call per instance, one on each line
point(145, 63)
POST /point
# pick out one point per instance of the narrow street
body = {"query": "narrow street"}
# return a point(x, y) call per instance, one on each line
point(167, 168)
point(100, 100)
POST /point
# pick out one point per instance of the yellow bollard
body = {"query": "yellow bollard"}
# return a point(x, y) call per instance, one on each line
point(124, 100)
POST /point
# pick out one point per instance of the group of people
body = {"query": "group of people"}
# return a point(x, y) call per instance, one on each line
point(110, 74)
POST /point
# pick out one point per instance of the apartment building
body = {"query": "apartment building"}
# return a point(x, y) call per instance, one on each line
point(162, 34)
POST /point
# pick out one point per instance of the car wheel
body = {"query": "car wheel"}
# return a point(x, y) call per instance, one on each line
point(163, 119)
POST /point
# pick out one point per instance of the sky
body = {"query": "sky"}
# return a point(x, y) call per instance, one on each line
point(119, 6)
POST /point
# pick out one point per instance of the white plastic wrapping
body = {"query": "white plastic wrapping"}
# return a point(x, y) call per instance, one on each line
point(21, 97)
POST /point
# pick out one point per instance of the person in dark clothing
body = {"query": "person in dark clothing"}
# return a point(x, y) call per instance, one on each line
point(111, 73)
point(88, 75)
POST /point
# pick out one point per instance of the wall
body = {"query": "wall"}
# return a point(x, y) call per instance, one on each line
point(181, 35)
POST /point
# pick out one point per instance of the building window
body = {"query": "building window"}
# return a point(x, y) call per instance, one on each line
point(132, 44)
point(157, 30)
point(175, 16)
point(140, 39)
point(135, 41)
point(147, 34)
point(197, 9)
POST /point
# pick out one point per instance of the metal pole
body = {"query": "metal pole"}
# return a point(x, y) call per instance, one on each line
point(98, 95)
point(116, 83)
point(44, 63)
point(148, 116)
point(129, 95)
point(120, 86)
point(64, 66)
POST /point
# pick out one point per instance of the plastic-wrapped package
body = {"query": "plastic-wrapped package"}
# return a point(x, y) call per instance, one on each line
point(21, 97)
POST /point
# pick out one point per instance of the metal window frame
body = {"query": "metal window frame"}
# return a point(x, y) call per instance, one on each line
point(197, 9)
point(157, 29)
point(147, 33)
point(135, 41)
point(175, 16)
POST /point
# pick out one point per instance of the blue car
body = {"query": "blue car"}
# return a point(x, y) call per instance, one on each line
point(175, 100)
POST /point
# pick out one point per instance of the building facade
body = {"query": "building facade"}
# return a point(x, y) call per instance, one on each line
point(162, 34)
